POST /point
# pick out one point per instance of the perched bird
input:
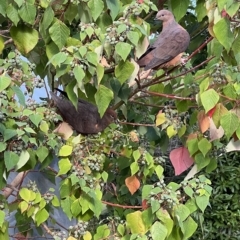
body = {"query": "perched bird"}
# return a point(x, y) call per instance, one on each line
point(169, 46)
point(85, 119)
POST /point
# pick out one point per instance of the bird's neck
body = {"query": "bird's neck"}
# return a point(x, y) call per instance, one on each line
point(169, 23)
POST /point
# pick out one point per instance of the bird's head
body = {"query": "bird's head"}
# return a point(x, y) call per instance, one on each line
point(110, 116)
point(164, 15)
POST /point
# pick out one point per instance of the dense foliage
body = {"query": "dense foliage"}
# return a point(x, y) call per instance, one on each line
point(112, 185)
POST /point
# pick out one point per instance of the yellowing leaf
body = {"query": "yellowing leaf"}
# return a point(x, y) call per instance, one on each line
point(136, 223)
point(171, 131)
point(65, 150)
point(87, 236)
point(160, 119)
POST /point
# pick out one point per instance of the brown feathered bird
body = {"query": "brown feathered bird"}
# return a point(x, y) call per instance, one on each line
point(85, 119)
point(169, 46)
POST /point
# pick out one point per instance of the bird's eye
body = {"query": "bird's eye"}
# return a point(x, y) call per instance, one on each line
point(162, 15)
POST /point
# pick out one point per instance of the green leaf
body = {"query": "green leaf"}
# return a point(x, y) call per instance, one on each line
point(59, 33)
point(100, 72)
point(64, 166)
point(204, 146)
point(192, 146)
point(103, 97)
point(133, 37)
point(189, 226)
point(65, 150)
point(179, 8)
point(201, 10)
point(3, 146)
point(92, 58)
point(9, 133)
point(1, 44)
point(44, 126)
point(20, 95)
point(12, 13)
point(114, 7)
point(121, 229)
point(55, 202)
point(159, 171)
point(223, 33)
point(11, 159)
point(23, 159)
point(136, 155)
point(4, 82)
point(229, 123)
point(41, 216)
point(96, 8)
point(36, 119)
point(58, 59)
point(2, 218)
point(79, 74)
point(134, 168)
point(209, 99)
point(201, 161)
point(202, 202)
point(123, 49)
point(182, 212)
point(102, 232)
point(135, 222)
point(76, 208)
point(123, 71)
point(27, 194)
point(42, 152)
point(3, 7)
point(71, 12)
point(157, 230)
point(24, 37)
point(48, 16)
point(166, 219)
point(28, 12)
point(66, 206)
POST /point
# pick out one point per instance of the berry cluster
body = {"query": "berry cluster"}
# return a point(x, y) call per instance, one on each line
point(58, 234)
point(165, 196)
point(18, 146)
point(136, 8)
point(2, 116)
point(118, 31)
point(95, 162)
point(51, 115)
point(174, 118)
point(48, 197)
point(79, 229)
point(38, 83)
point(3, 95)
point(196, 185)
point(31, 185)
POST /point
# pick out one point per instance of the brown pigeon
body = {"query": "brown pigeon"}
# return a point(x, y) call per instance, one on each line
point(85, 119)
point(169, 46)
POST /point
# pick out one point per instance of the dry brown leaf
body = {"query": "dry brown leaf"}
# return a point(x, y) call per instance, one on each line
point(134, 136)
point(132, 184)
point(104, 62)
point(65, 130)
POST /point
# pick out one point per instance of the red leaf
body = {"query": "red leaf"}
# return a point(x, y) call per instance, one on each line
point(132, 184)
point(144, 204)
point(180, 159)
point(211, 112)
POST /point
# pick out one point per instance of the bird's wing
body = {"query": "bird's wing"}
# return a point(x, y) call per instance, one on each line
point(168, 45)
